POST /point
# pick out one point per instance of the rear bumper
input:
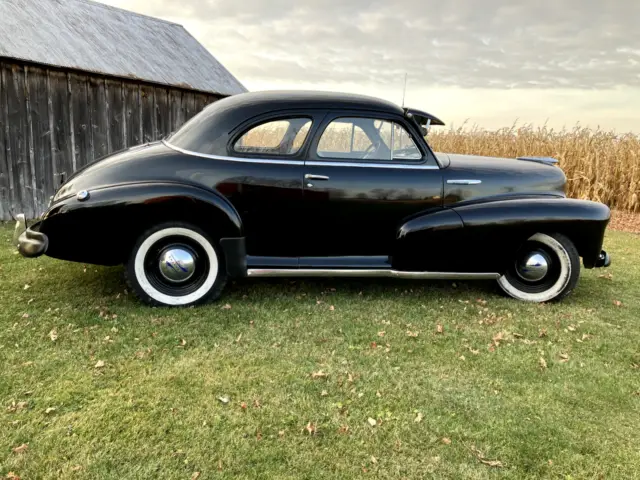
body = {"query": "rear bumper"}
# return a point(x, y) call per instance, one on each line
point(30, 241)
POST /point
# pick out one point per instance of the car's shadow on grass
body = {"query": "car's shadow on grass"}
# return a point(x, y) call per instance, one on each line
point(103, 283)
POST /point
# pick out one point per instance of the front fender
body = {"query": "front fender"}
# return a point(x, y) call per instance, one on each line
point(482, 237)
point(503, 225)
point(102, 229)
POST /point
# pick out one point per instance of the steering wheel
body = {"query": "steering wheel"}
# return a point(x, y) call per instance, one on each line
point(371, 149)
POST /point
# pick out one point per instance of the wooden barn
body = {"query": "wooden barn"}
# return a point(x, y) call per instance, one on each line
point(79, 80)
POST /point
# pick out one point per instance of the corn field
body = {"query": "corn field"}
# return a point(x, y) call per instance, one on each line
point(599, 165)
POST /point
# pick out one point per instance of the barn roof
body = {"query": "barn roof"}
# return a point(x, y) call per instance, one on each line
point(93, 37)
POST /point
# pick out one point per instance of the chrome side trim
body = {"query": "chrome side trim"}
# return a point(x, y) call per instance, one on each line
point(464, 182)
point(399, 166)
point(317, 272)
point(233, 159)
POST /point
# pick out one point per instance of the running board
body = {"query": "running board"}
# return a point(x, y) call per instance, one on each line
point(316, 272)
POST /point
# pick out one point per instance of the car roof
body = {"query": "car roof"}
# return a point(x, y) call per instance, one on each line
point(255, 103)
point(209, 131)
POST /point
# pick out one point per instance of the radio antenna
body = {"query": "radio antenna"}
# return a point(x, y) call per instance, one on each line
point(404, 90)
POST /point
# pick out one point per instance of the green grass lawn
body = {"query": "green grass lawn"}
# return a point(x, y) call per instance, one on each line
point(324, 379)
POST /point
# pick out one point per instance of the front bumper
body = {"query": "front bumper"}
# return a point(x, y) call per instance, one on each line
point(30, 241)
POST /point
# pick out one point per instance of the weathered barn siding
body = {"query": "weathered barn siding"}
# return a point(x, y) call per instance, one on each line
point(53, 122)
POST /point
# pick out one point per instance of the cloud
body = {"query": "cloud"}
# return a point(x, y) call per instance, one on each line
point(462, 43)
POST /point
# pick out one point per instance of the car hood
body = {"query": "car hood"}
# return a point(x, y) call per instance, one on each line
point(471, 178)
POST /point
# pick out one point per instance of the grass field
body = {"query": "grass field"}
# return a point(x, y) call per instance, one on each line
point(318, 379)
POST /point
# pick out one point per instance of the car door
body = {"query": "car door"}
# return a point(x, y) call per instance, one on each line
point(266, 187)
point(365, 174)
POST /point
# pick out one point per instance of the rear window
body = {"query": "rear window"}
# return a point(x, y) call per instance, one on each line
point(277, 137)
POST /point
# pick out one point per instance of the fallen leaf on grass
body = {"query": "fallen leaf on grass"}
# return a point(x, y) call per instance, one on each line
point(311, 428)
point(238, 339)
point(372, 421)
point(480, 456)
point(564, 358)
point(617, 303)
point(21, 449)
point(256, 403)
point(543, 333)
point(99, 364)
point(224, 399)
point(25, 315)
point(606, 276)
point(324, 393)
point(26, 287)
point(332, 308)
point(446, 441)
point(439, 328)
point(374, 459)
point(16, 407)
point(343, 430)
point(319, 374)
point(497, 338)
point(50, 410)
point(226, 306)
point(195, 476)
point(53, 335)
point(11, 475)
point(543, 363)
point(183, 342)
point(381, 334)
point(412, 334)
point(418, 418)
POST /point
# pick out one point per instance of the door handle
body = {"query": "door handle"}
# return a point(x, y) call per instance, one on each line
point(308, 176)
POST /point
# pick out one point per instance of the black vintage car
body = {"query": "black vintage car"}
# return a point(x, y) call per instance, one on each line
point(318, 184)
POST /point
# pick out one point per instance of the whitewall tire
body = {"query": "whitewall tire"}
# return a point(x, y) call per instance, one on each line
point(545, 268)
point(175, 264)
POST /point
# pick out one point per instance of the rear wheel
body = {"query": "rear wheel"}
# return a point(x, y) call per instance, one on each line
point(175, 264)
point(545, 268)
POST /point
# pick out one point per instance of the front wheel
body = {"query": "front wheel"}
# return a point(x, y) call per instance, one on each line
point(545, 268)
point(175, 264)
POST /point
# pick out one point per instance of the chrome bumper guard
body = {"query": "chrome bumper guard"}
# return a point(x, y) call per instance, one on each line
point(30, 241)
point(604, 260)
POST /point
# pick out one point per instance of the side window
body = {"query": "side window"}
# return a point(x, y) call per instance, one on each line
point(404, 148)
point(367, 139)
point(277, 137)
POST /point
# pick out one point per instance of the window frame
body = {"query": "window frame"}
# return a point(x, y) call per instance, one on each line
point(427, 156)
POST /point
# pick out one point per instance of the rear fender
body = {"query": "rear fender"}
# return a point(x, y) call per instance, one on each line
point(103, 228)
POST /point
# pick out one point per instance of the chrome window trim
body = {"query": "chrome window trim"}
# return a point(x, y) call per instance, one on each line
point(233, 159)
point(401, 166)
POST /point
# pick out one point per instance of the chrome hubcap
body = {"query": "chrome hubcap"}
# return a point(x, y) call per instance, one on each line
point(177, 265)
point(533, 266)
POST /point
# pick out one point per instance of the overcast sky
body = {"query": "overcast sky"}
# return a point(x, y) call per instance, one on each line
point(491, 62)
